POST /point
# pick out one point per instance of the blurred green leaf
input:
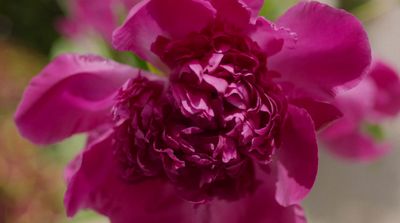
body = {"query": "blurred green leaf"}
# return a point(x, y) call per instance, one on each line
point(374, 130)
point(86, 44)
point(88, 217)
point(351, 4)
point(272, 9)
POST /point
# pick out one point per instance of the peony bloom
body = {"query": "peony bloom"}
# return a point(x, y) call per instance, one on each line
point(99, 16)
point(227, 135)
point(357, 136)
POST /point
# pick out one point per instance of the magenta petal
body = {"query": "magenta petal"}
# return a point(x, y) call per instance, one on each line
point(256, 209)
point(130, 3)
point(254, 6)
point(355, 146)
point(181, 17)
point(72, 94)
point(297, 164)
point(321, 113)
point(150, 19)
point(357, 103)
point(233, 12)
point(387, 82)
point(95, 184)
point(270, 37)
point(260, 207)
point(138, 32)
point(82, 176)
point(98, 15)
point(332, 49)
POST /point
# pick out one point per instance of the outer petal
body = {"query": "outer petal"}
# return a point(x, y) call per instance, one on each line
point(377, 93)
point(72, 94)
point(387, 82)
point(95, 184)
point(297, 163)
point(85, 14)
point(129, 3)
point(254, 5)
point(152, 18)
point(260, 207)
point(233, 12)
point(332, 49)
point(357, 103)
point(94, 15)
point(270, 37)
point(355, 146)
point(97, 14)
point(321, 113)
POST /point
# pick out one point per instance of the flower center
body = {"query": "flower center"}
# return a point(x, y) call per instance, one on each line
point(219, 115)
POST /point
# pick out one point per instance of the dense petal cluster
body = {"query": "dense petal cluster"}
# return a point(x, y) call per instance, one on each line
point(231, 125)
point(138, 121)
point(358, 135)
point(219, 112)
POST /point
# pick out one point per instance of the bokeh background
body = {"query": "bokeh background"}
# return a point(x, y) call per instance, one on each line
point(31, 178)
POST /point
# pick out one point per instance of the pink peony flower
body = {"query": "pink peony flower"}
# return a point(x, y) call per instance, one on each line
point(227, 135)
point(99, 16)
point(357, 136)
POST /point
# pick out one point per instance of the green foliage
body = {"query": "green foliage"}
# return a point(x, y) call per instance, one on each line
point(30, 22)
point(272, 9)
point(374, 130)
point(351, 4)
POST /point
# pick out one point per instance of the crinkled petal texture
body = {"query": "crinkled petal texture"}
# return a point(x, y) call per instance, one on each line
point(72, 94)
point(332, 49)
point(152, 18)
point(178, 18)
point(364, 107)
point(99, 187)
point(96, 184)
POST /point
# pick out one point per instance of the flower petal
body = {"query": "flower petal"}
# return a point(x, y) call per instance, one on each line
point(254, 5)
point(259, 207)
point(272, 38)
point(355, 146)
point(321, 113)
point(255, 209)
point(357, 103)
point(332, 49)
point(88, 16)
point(152, 18)
point(233, 12)
point(130, 3)
point(99, 16)
point(96, 184)
point(297, 162)
point(72, 94)
point(387, 82)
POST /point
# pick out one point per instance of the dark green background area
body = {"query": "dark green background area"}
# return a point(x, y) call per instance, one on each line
point(30, 22)
point(351, 4)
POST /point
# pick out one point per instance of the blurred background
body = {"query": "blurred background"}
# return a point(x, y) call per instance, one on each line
point(31, 178)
